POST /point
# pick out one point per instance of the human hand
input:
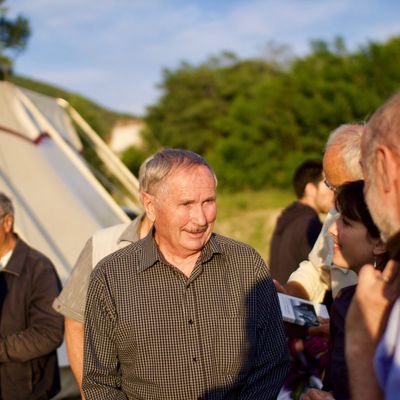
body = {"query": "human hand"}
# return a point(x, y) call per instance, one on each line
point(321, 330)
point(365, 322)
point(279, 288)
point(369, 310)
point(316, 394)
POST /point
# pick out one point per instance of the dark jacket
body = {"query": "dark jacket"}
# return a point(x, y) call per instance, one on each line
point(30, 329)
point(336, 376)
point(294, 236)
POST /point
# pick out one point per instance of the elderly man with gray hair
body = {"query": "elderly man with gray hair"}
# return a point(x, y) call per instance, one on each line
point(30, 330)
point(373, 321)
point(183, 313)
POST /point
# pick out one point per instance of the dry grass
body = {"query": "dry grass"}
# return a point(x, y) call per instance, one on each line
point(250, 216)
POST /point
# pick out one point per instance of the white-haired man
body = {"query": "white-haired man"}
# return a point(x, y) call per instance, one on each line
point(368, 317)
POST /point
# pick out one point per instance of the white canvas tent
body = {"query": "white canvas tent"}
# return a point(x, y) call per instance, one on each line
point(59, 203)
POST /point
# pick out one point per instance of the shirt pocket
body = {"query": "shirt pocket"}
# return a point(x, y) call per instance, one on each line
point(234, 346)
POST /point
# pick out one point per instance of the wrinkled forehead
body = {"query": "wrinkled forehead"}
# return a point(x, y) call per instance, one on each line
point(188, 176)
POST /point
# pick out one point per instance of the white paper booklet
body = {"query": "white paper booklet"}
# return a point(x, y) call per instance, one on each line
point(301, 312)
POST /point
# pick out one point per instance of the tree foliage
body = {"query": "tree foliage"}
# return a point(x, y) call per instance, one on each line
point(14, 35)
point(256, 120)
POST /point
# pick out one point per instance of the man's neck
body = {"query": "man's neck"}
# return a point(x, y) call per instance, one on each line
point(184, 262)
point(185, 265)
point(145, 226)
point(308, 202)
point(9, 243)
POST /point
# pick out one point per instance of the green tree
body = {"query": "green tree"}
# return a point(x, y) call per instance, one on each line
point(14, 35)
point(256, 120)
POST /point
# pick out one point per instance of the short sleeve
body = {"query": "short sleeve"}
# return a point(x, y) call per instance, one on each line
point(72, 300)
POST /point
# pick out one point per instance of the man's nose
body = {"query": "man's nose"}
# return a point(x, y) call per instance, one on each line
point(199, 216)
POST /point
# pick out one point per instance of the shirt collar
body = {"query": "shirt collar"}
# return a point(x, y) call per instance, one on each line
point(393, 246)
point(151, 253)
point(4, 260)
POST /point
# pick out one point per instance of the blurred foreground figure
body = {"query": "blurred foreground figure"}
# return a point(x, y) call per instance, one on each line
point(30, 330)
point(372, 317)
point(184, 313)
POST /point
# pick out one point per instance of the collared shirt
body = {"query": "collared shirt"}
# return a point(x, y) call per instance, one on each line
point(72, 300)
point(153, 333)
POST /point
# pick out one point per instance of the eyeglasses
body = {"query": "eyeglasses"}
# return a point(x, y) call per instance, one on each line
point(330, 186)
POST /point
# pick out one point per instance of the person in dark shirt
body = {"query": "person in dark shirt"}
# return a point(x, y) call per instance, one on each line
point(299, 225)
point(30, 330)
point(184, 313)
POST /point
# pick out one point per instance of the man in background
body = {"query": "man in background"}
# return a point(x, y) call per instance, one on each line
point(30, 330)
point(299, 225)
point(373, 322)
point(72, 300)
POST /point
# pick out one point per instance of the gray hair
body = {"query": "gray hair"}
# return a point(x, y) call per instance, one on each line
point(158, 166)
point(348, 137)
point(6, 206)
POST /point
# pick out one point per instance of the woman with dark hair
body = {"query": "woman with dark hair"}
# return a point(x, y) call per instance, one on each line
point(356, 242)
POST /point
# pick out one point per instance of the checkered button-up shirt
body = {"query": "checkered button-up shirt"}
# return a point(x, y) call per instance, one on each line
point(153, 333)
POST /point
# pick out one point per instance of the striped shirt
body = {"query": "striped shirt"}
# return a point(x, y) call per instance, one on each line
point(153, 333)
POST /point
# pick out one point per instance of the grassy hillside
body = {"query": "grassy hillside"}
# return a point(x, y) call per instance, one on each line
point(99, 118)
point(250, 216)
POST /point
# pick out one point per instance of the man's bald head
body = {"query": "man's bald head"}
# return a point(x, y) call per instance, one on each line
point(342, 155)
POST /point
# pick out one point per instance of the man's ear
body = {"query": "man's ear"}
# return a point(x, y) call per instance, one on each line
point(310, 190)
point(8, 223)
point(386, 167)
point(148, 204)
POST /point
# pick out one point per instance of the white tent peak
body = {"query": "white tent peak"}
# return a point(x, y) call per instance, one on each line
point(59, 202)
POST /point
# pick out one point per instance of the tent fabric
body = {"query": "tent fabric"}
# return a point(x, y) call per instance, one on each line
point(56, 115)
point(58, 202)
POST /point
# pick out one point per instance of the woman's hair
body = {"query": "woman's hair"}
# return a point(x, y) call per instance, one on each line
point(351, 204)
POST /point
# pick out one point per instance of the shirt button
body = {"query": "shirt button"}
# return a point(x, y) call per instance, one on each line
point(190, 321)
point(195, 359)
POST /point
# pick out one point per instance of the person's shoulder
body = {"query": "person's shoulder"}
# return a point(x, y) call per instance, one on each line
point(121, 258)
point(231, 246)
point(36, 258)
point(110, 232)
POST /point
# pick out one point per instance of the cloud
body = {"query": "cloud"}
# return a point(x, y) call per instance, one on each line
point(115, 50)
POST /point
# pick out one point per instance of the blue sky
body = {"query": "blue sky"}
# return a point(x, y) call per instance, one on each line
point(114, 51)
